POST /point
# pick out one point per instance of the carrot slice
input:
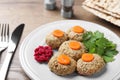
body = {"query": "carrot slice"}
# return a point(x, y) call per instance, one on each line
point(63, 59)
point(87, 57)
point(78, 29)
point(58, 33)
point(74, 45)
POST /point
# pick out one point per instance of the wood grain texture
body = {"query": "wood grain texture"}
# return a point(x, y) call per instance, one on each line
point(33, 14)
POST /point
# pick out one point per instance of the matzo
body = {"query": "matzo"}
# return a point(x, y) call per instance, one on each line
point(109, 5)
point(107, 17)
point(103, 10)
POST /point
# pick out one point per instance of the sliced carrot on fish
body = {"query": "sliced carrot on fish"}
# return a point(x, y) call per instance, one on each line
point(63, 59)
point(74, 45)
point(87, 57)
point(58, 33)
point(78, 29)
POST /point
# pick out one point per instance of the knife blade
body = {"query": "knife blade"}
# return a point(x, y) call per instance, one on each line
point(15, 38)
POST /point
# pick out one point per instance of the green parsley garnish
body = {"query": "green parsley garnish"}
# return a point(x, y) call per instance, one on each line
point(95, 42)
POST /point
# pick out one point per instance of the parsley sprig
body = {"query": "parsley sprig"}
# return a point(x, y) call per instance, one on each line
point(95, 42)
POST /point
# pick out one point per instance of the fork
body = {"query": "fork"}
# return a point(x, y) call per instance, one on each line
point(4, 36)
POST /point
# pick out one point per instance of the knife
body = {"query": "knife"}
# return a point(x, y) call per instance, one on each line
point(15, 38)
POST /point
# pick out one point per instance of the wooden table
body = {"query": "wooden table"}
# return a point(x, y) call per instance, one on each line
point(33, 14)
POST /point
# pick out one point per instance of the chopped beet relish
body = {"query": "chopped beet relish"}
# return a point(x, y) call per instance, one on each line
point(43, 53)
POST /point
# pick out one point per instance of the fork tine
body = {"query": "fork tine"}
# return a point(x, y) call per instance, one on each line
point(2, 32)
point(7, 33)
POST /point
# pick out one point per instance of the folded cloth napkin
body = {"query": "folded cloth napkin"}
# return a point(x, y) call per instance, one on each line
point(105, 9)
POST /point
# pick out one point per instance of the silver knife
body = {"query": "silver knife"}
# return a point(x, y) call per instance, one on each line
point(15, 38)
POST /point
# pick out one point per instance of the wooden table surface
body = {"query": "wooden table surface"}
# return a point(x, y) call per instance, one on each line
point(33, 14)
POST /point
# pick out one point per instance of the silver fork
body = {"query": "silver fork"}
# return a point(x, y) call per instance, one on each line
point(4, 36)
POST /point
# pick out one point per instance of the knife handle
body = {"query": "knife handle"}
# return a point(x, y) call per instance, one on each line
point(5, 66)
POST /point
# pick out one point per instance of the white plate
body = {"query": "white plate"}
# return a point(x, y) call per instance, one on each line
point(39, 71)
